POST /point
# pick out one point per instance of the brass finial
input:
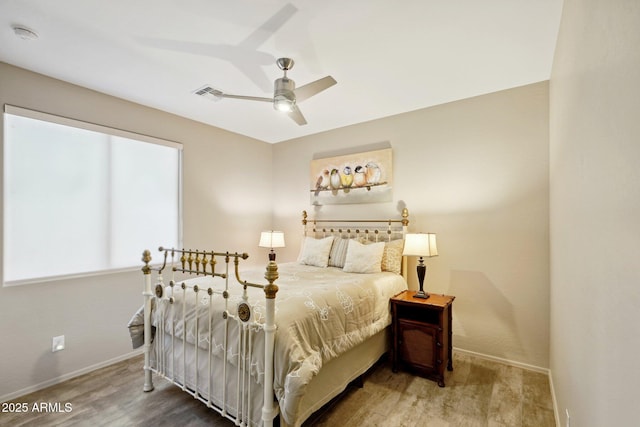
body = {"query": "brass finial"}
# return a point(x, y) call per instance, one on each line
point(146, 258)
point(271, 275)
point(197, 261)
point(304, 217)
point(405, 217)
point(204, 263)
point(213, 263)
point(190, 260)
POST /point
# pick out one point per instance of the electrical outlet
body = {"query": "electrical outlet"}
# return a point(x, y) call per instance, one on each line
point(57, 343)
point(568, 418)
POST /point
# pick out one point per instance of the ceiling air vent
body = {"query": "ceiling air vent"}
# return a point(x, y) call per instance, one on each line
point(209, 93)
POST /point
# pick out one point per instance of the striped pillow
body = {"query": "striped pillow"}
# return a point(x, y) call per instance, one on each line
point(338, 252)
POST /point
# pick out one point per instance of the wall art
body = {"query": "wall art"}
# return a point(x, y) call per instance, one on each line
point(353, 178)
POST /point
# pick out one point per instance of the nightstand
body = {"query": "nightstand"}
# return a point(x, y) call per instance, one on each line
point(422, 335)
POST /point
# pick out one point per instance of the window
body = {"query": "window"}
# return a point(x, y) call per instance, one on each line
point(81, 198)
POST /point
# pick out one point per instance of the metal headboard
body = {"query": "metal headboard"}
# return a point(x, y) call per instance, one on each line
point(375, 230)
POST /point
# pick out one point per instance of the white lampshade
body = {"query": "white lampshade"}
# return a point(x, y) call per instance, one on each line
point(271, 239)
point(420, 244)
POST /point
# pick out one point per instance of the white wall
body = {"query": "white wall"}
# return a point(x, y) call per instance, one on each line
point(476, 173)
point(595, 213)
point(227, 202)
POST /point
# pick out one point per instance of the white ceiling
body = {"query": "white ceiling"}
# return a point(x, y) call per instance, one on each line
point(388, 57)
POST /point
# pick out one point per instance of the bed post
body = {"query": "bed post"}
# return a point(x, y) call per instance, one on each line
point(405, 228)
point(304, 224)
point(270, 290)
point(148, 382)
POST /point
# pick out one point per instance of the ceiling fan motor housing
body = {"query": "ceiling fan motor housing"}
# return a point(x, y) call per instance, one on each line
point(284, 97)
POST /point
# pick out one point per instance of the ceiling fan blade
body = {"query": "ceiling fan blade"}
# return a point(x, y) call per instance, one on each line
point(249, 98)
point(297, 116)
point(310, 89)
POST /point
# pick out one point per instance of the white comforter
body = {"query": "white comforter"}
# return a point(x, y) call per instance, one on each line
point(320, 314)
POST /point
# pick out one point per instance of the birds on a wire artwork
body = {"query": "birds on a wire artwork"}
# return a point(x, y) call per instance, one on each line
point(347, 178)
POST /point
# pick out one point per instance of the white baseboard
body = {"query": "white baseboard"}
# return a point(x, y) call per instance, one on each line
point(504, 361)
point(526, 366)
point(68, 376)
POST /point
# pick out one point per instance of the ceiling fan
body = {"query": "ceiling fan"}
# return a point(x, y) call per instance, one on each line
point(285, 94)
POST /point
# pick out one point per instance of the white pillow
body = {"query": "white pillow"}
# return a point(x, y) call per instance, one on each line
point(315, 251)
point(363, 258)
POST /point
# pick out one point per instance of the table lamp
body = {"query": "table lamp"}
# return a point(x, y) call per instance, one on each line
point(271, 239)
point(422, 245)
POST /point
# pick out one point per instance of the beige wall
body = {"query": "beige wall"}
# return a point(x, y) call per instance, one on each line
point(476, 173)
point(595, 213)
point(223, 205)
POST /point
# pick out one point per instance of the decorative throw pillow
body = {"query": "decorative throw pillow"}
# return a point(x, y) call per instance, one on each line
point(338, 252)
point(315, 251)
point(392, 256)
point(363, 258)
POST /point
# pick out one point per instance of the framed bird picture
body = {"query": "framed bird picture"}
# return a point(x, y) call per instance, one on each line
point(353, 178)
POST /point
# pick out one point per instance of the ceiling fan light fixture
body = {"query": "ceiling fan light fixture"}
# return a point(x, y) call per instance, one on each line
point(284, 98)
point(283, 103)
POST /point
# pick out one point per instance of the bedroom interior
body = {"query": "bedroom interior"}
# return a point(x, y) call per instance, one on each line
point(531, 189)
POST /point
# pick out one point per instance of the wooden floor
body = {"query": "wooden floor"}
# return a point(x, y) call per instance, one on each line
point(478, 393)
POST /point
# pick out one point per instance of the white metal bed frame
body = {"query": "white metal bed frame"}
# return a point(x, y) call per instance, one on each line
point(205, 263)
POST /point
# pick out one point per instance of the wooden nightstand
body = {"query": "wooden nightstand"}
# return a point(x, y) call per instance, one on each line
point(422, 335)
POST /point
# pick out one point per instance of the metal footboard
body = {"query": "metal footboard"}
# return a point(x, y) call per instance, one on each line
point(180, 354)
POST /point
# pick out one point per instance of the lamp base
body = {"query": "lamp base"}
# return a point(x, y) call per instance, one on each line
point(421, 295)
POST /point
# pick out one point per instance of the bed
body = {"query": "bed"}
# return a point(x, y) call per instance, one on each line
point(255, 344)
